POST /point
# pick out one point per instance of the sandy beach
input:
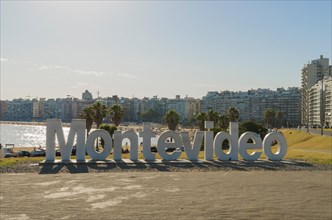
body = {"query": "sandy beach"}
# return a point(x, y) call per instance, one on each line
point(168, 195)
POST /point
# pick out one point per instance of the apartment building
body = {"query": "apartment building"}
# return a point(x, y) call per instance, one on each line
point(315, 96)
point(328, 101)
point(253, 103)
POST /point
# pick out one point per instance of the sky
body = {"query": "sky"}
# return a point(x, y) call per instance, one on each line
point(145, 48)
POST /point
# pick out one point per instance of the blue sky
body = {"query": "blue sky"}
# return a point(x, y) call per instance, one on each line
point(165, 48)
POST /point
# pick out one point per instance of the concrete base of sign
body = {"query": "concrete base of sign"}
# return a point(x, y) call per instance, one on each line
point(157, 161)
point(126, 161)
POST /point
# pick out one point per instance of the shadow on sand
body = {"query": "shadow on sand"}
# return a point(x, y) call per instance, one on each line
point(174, 166)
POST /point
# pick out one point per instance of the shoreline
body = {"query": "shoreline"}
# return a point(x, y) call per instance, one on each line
point(31, 123)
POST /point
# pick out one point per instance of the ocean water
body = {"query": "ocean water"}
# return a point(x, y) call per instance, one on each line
point(35, 135)
point(25, 135)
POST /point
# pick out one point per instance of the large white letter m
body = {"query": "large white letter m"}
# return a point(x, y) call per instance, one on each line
point(54, 127)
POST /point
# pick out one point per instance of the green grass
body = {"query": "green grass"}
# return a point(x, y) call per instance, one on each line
point(301, 140)
point(312, 148)
point(19, 160)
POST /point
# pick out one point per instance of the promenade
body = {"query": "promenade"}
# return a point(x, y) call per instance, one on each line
point(167, 195)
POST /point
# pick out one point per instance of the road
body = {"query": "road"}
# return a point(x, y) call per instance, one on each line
point(318, 131)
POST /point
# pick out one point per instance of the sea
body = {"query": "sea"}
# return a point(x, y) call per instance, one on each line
point(35, 135)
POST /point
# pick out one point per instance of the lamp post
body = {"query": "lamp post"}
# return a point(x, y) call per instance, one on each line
point(322, 104)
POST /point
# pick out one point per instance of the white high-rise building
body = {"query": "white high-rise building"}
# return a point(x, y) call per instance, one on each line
point(315, 97)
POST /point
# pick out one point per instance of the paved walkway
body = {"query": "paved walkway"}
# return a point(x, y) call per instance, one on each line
point(167, 195)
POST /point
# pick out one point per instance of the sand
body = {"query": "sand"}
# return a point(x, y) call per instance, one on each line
point(167, 195)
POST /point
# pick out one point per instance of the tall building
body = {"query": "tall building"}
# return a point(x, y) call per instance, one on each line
point(36, 111)
point(314, 93)
point(3, 109)
point(19, 110)
point(253, 103)
point(87, 95)
point(328, 101)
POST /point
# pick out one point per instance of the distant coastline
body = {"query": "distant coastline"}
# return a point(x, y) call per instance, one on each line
point(32, 123)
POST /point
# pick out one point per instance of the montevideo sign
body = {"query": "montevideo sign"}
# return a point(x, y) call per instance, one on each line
point(213, 145)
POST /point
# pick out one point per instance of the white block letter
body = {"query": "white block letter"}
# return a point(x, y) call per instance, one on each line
point(244, 145)
point(267, 146)
point(107, 146)
point(54, 127)
point(232, 153)
point(118, 138)
point(162, 145)
point(208, 141)
point(192, 152)
point(147, 134)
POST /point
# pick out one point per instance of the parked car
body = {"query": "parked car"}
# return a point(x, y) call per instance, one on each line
point(24, 153)
point(9, 151)
point(38, 153)
point(73, 152)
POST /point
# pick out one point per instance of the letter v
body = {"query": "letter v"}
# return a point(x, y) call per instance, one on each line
point(192, 152)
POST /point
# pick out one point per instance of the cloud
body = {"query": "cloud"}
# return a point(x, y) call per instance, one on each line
point(3, 59)
point(44, 67)
point(126, 75)
point(89, 72)
point(48, 67)
point(69, 69)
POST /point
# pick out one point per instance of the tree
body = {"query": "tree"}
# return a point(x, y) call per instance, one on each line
point(172, 119)
point(110, 129)
point(213, 116)
point(253, 127)
point(190, 121)
point(223, 122)
point(100, 111)
point(151, 115)
point(233, 114)
point(117, 113)
point(279, 117)
point(200, 119)
point(269, 117)
point(88, 115)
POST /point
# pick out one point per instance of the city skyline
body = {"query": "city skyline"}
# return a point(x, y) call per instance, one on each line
point(251, 106)
point(143, 49)
point(96, 98)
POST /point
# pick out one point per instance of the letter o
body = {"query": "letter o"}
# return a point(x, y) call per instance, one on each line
point(90, 144)
point(267, 143)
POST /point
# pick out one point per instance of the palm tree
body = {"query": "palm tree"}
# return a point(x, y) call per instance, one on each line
point(223, 122)
point(233, 114)
point(200, 119)
point(213, 116)
point(172, 119)
point(117, 113)
point(100, 111)
point(88, 115)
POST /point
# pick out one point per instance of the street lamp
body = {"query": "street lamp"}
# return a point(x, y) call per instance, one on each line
point(322, 103)
point(322, 115)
